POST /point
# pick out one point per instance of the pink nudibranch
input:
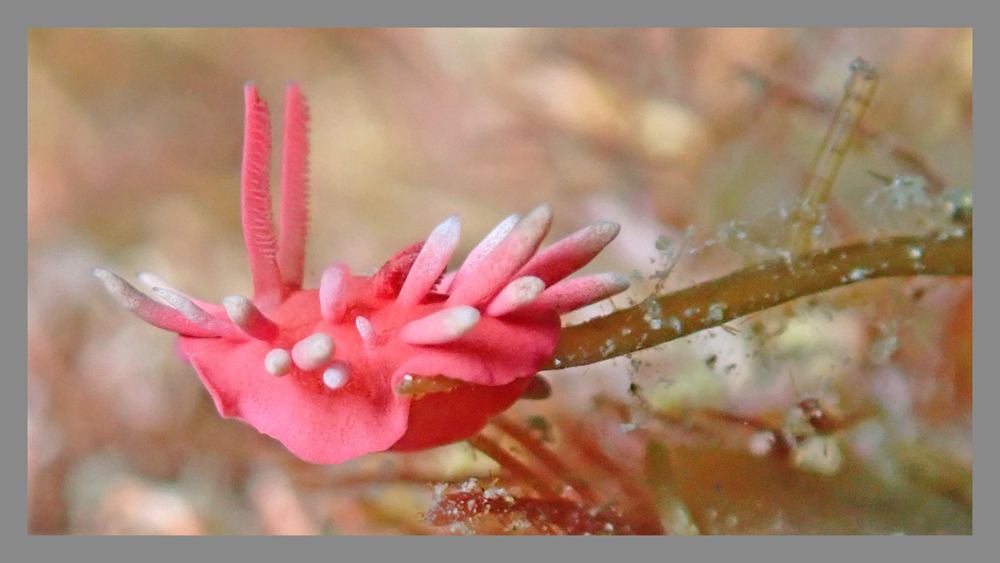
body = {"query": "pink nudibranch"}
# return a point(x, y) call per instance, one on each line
point(328, 372)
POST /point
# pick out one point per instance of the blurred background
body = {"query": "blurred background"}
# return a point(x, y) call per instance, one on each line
point(134, 147)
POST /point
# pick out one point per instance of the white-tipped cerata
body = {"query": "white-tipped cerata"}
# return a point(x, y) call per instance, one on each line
point(249, 319)
point(313, 351)
point(571, 294)
point(336, 375)
point(499, 266)
point(484, 247)
point(153, 281)
point(517, 293)
point(278, 362)
point(142, 306)
point(197, 315)
point(561, 259)
point(431, 262)
point(366, 330)
point(440, 327)
point(333, 292)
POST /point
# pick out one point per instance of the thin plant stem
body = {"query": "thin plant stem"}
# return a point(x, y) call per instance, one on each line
point(662, 318)
point(858, 93)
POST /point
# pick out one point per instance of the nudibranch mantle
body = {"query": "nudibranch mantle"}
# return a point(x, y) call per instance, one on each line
point(407, 359)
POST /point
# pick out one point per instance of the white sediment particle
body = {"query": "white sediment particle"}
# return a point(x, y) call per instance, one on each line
point(761, 443)
point(715, 312)
point(675, 323)
point(859, 274)
point(654, 314)
point(915, 253)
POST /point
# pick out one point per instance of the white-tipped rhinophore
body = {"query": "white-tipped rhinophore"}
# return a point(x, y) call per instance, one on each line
point(313, 351)
point(278, 362)
point(142, 306)
point(484, 247)
point(336, 375)
point(431, 262)
point(497, 268)
point(517, 293)
point(440, 327)
point(249, 319)
point(366, 330)
point(197, 315)
point(333, 292)
point(571, 294)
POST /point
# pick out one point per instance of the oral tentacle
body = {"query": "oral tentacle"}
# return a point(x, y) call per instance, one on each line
point(431, 262)
point(143, 306)
point(248, 318)
point(153, 281)
point(258, 229)
point(197, 315)
point(293, 222)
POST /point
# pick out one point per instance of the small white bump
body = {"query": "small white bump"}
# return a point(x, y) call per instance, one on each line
point(278, 362)
point(313, 352)
point(336, 375)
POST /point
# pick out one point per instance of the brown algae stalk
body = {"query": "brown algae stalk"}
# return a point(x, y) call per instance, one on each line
point(858, 94)
point(662, 318)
